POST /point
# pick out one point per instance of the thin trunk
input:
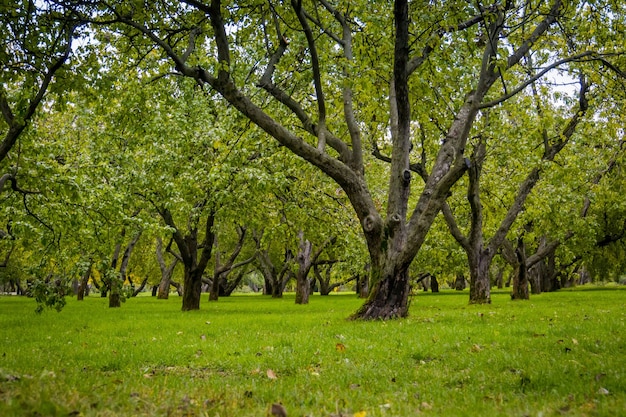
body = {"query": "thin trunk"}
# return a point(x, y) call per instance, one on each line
point(163, 291)
point(115, 297)
point(112, 280)
point(362, 286)
point(520, 280)
point(180, 290)
point(434, 284)
point(306, 258)
point(215, 288)
point(140, 288)
point(84, 280)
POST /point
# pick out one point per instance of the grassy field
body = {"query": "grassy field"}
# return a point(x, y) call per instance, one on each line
point(559, 354)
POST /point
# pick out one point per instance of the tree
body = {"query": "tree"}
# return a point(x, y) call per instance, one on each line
point(219, 283)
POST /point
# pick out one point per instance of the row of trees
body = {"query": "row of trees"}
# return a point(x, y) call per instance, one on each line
point(313, 139)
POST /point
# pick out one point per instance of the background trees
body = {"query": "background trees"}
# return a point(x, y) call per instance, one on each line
point(173, 104)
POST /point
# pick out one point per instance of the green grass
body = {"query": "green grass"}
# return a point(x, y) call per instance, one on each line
point(559, 354)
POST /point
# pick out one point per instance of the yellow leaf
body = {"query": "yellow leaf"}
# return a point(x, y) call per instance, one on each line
point(340, 347)
point(360, 414)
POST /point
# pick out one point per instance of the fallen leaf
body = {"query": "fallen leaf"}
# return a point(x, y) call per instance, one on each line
point(360, 414)
point(574, 341)
point(203, 337)
point(603, 391)
point(179, 333)
point(271, 374)
point(278, 410)
point(426, 406)
point(340, 347)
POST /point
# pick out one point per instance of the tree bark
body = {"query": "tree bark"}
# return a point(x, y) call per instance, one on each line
point(167, 271)
point(520, 280)
point(434, 284)
point(84, 280)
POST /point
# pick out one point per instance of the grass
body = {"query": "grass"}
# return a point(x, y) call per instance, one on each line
point(559, 354)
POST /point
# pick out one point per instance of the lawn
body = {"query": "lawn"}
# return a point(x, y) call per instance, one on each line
point(559, 354)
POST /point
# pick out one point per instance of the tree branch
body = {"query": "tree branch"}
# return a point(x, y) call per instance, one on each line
point(317, 77)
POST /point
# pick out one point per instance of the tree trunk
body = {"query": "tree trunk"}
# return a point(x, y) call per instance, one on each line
point(180, 290)
point(520, 281)
point(215, 289)
point(534, 277)
point(115, 300)
point(500, 278)
point(268, 288)
point(460, 283)
point(390, 294)
point(362, 285)
point(480, 284)
point(304, 260)
point(303, 288)
point(163, 289)
point(323, 282)
point(434, 284)
point(193, 288)
point(84, 280)
point(167, 271)
point(229, 286)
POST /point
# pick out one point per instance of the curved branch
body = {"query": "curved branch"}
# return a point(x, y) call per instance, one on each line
point(317, 77)
point(518, 89)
